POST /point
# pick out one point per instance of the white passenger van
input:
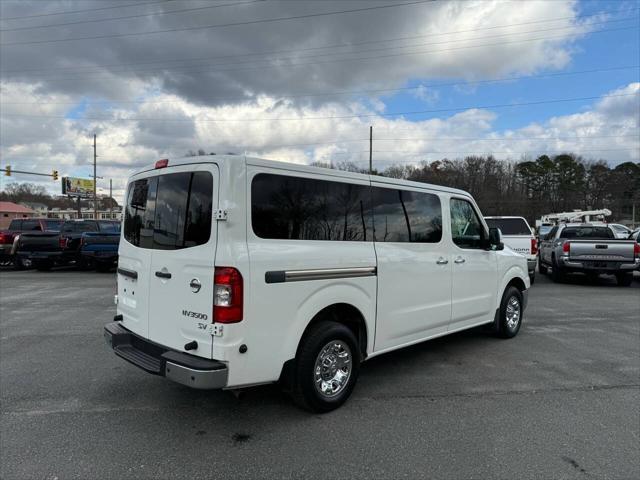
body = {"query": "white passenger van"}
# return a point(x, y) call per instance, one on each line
point(236, 271)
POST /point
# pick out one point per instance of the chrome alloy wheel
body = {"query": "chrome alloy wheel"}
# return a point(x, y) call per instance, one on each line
point(513, 312)
point(332, 368)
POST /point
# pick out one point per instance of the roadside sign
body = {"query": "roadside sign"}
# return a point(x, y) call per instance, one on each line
point(77, 187)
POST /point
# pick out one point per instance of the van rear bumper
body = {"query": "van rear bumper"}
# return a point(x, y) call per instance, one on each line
point(179, 367)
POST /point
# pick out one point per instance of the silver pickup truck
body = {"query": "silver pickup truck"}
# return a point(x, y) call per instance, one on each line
point(589, 249)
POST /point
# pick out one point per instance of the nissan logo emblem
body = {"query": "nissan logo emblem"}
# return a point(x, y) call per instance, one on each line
point(195, 285)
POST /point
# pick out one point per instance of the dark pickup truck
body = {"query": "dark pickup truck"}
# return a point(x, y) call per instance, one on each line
point(19, 226)
point(43, 250)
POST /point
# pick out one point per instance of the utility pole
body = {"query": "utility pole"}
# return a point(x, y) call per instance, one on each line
point(95, 199)
point(370, 149)
point(110, 198)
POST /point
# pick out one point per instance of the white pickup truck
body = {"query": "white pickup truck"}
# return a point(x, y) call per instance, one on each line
point(518, 236)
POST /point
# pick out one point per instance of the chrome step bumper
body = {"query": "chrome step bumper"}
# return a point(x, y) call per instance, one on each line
point(179, 367)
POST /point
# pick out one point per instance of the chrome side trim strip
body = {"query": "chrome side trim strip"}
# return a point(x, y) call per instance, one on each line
point(318, 274)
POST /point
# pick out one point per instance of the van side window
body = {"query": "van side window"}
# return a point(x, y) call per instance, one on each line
point(406, 216)
point(294, 208)
point(467, 230)
point(169, 212)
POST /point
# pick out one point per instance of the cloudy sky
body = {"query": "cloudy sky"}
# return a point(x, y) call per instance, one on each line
point(302, 81)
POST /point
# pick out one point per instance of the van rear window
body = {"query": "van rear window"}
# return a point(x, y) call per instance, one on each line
point(509, 226)
point(169, 212)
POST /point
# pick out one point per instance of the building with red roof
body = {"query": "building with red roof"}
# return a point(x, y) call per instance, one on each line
point(10, 210)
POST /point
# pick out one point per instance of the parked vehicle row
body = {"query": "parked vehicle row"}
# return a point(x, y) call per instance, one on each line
point(84, 243)
point(589, 249)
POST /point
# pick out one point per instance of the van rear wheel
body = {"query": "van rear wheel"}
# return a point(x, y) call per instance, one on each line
point(327, 367)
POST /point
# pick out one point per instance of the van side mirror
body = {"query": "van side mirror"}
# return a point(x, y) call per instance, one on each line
point(495, 239)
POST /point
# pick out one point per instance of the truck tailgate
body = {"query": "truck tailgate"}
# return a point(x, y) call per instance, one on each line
point(604, 250)
point(39, 242)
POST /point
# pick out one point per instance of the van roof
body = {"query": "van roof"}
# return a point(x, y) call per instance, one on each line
point(221, 159)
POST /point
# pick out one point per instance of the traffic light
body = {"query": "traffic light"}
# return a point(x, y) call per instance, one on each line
point(7, 170)
point(54, 174)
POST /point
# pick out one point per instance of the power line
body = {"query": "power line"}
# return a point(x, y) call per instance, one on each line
point(125, 17)
point(347, 92)
point(333, 117)
point(221, 25)
point(342, 45)
point(86, 10)
point(340, 60)
point(339, 141)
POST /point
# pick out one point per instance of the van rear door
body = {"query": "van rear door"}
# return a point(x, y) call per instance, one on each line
point(176, 238)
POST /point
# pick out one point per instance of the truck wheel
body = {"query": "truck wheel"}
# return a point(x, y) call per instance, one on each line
point(624, 279)
point(557, 275)
point(541, 267)
point(43, 265)
point(327, 367)
point(510, 313)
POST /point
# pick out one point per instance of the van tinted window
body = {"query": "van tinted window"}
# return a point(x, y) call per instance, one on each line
point(284, 207)
point(510, 226)
point(406, 216)
point(169, 212)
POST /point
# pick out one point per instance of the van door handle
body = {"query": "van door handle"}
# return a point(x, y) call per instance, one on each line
point(459, 260)
point(163, 275)
point(442, 261)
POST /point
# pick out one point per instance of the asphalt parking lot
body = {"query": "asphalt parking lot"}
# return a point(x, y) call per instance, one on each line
point(561, 400)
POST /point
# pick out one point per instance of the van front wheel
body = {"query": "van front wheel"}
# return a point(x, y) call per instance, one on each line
point(510, 314)
point(327, 367)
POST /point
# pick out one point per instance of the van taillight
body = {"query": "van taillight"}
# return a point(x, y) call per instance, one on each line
point(566, 247)
point(63, 242)
point(227, 295)
point(534, 246)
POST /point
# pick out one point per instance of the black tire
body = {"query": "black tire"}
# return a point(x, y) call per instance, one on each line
point(541, 267)
point(316, 340)
point(557, 275)
point(103, 267)
point(624, 279)
point(85, 264)
point(532, 278)
point(42, 265)
point(17, 263)
point(507, 327)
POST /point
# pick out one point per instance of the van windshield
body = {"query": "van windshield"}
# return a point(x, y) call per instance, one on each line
point(509, 226)
point(169, 212)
